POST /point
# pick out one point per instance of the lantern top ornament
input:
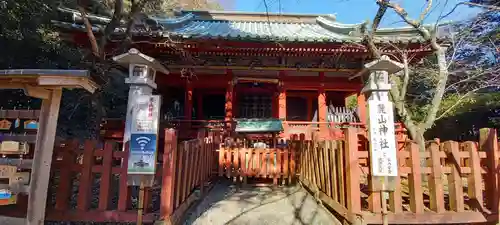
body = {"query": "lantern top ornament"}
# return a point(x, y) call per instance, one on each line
point(142, 68)
point(384, 64)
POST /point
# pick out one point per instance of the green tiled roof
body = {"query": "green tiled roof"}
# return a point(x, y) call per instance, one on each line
point(197, 25)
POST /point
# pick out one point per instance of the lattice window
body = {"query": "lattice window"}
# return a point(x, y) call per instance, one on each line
point(255, 106)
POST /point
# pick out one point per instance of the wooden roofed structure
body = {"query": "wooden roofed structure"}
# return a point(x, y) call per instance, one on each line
point(46, 85)
point(226, 65)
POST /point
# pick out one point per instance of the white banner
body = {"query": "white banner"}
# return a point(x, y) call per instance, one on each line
point(383, 153)
point(145, 114)
point(143, 144)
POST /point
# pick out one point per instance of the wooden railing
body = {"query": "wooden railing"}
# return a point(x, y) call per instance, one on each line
point(458, 184)
point(89, 181)
point(187, 170)
point(242, 163)
point(75, 167)
point(326, 172)
point(322, 168)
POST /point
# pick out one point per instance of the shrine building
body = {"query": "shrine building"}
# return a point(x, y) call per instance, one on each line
point(229, 66)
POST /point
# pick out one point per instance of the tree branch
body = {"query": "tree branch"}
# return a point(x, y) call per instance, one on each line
point(426, 11)
point(406, 77)
point(488, 7)
point(426, 34)
point(439, 91)
point(458, 102)
point(371, 35)
point(110, 27)
point(88, 29)
point(135, 9)
point(403, 112)
point(484, 73)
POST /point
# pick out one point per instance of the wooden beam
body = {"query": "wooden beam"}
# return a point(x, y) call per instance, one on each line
point(267, 68)
point(68, 82)
point(42, 158)
point(37, 92)
point(328, 86)
point(428, 218)
point(10, 85)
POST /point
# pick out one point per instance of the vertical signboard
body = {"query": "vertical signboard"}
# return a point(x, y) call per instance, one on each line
point(143, 135)
point(383, 154)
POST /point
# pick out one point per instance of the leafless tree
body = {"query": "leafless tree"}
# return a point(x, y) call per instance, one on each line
point(445, 74)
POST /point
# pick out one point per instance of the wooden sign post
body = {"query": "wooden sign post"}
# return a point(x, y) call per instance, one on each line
point(142, 121)
point(383, 153)
point(46, 85)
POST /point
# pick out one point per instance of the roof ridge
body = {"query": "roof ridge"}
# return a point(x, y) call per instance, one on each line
point(221, 12)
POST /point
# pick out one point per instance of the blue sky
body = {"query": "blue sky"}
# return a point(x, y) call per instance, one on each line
point(355, 11)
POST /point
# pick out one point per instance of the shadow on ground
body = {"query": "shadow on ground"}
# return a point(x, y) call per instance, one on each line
point(227, 204)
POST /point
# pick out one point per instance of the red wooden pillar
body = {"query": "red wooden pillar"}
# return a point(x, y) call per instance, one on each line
point(362, 107)
point(169, 174)
point(229, 107)
point(275, 105)
point(282, 104)
point(322, 108)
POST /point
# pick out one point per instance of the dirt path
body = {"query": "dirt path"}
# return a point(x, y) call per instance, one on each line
point(225, 205)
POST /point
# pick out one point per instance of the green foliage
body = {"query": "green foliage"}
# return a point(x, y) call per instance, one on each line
point(29, 41)
point(352, 101)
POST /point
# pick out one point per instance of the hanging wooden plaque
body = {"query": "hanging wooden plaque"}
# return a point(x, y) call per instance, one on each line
point(22, 178)
point(7, 171)
point(5, 124)
point(13, 148)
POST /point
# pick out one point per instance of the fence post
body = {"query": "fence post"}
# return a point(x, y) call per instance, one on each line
point(199, 160)
point(352, 171)
point(488, 143)
point(415, 180)
point(455, 187)
point(475, 190)
point(86, 177)
point(168, 174)
point(436, 181)
point(65, 184)
point(105, 183)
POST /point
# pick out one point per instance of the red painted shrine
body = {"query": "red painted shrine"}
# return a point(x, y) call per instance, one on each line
point(228, 65)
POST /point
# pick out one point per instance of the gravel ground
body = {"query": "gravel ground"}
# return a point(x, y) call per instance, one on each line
point(226, 204)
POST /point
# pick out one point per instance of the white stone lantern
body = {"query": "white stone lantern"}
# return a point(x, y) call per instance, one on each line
point(142, 117)
point(383, 153)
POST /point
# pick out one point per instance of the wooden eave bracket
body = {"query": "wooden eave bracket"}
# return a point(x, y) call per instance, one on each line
point(36, 92)
point(67, 82)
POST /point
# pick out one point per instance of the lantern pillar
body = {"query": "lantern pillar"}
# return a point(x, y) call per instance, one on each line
point(142, 116)
point(383, 153)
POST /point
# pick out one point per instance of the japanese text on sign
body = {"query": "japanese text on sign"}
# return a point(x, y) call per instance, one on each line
point(143, 135)
point(382, 138)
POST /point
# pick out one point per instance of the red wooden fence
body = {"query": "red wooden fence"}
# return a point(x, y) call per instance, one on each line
point(82, 168)
point(89, 181)
point(241, 163)
point(458, 184)
point(187, 170)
